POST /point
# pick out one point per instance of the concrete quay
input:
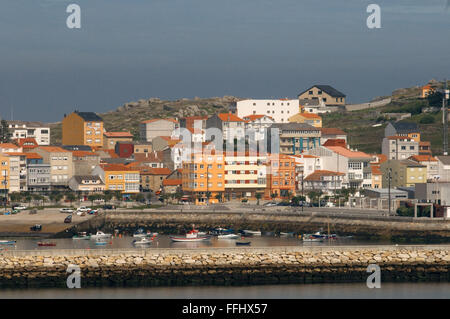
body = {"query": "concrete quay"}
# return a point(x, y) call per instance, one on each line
point(227, 266)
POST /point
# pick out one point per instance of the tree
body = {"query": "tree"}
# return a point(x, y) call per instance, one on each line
point(435, 99)
point(258, 197)
point(208, 196)
point(107, 196)
point(315, 196)
point(178, 196)
point(427, 119)
point(70, 197)
point(273, 196)
point(5, 134)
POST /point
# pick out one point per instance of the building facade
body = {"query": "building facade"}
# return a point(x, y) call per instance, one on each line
point(37, 130)
point(280, 110)
point(325, 94)
point(82, 128)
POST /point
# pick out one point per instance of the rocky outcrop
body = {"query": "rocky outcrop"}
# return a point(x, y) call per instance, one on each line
point(225, 266)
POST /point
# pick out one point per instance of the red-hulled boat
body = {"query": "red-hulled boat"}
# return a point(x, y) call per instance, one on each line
point(42, 244)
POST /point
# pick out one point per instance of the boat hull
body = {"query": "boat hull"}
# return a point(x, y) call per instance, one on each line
point(184, 239)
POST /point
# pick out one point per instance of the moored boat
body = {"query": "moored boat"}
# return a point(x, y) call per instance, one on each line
point(252, 232)
point(191, 236)
point(44, 244)
point(82, 235)
point(7, 242)
point(288, 234)
point(228, 236)
point(100, 235)
point(143, 241)
point(243, 242)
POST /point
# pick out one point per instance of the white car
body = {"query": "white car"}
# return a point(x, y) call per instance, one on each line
point(20, 207)
point(83, 209)
point(66, 210)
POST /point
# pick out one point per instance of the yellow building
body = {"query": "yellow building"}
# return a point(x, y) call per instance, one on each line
point(203, 175)
point(4, 174)
point(118, 177)
point(404, 173)
point(308, 118)
point(82, 128)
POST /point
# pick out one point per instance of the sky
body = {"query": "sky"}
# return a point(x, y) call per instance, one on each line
point(128, 50)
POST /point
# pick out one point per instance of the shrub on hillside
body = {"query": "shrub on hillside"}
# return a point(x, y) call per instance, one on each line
point(427, 119)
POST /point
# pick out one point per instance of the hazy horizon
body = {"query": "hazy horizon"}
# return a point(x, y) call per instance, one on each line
point(138, 49)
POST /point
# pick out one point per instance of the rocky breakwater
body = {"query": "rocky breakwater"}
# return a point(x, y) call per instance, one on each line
point(240, 266)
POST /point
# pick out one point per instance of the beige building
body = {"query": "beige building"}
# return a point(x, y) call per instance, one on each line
point(61, 164)
point(399, 147)
point(111, 138)
point(404, 173)
point(88, 184)
point(324, 94)
point(142, 147)
point(84, 162)
point(157, 127)
point(294, 138)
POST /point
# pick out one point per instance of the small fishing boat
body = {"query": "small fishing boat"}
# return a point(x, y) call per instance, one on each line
point(288, 234)
point(220, 231)
point(7, 242)
point(243, 243)
point(82, 235)
point(311, 238)
point(143, 241)
point(101, 243)
point(252, 232)
point(43, 244)
point(191, 236)
point(228, 236)
point(100, 235)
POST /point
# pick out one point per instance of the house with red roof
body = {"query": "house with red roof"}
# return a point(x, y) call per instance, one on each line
point(430, 162)
point(323, 180)
point(231, 126)
point(111, 138)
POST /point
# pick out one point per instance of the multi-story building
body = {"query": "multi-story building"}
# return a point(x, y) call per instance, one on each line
point(307, 118)
point(37, 130)
point(245, 174)
point(399, 147)
point(160, 143)
point(403, 173)
point(294, 138)
point(111, 138)
point(119, 177)
point(4, 175)
point(158, 127)
point(231, 127)
point(84, 162)
point(14, 172)
point(326, 181)
point(142, 147)
point(281, 176)
point(87, 184)
point(152, 178)
point(203, 177)
point(280, 110)
point(403, 129)
point(377, 177)
point(61, 163)
point(38, 175)
point(191, 122)
point(434, 192)
point(257, 126)
point(325, 94)
point(328, 133)
point(430, 162)
point(82, 128)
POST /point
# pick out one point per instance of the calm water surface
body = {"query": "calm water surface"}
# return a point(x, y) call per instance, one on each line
point(305, 291)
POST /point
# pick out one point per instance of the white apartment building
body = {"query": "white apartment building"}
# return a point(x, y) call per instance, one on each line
point(36, 130)
point(245, 174)
point(280, 110)
point(258, 124)
point(14, 173)
point(399, 147)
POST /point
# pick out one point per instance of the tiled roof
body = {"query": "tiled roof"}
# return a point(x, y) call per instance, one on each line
point(253, 117)
point(53, 149)
point(295, 127)
point(8, 145)
point(348, 153)
point(376, 170)
point(156, 171)
point(423, 158)
point(171, 182)
point(154, 120)
point(228, 117)
point(309, 115)
point(328, 89)
point(411, 163)
point(89, 116)
point(83, 153)
point(318, 174)
point(117, 167)
point(27, 142)
point(118, 134)
point(335, 142)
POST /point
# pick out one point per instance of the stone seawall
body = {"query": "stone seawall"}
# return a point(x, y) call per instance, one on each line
point(224, 266)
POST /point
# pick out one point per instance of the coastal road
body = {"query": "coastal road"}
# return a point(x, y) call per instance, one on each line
point(51, 219)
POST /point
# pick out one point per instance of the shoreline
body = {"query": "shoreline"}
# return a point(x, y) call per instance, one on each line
point(225, 266)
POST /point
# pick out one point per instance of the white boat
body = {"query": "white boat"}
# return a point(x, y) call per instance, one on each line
point(190, 237)
point(228, 236)
point(100, 235)
point(143, 241)
point(82, 235)
point(7, 242)
point(252, 232)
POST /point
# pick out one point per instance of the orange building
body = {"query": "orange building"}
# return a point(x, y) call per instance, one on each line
point(427, 90)
point(4, 174)
point(82, 128)
point(280, 176)
point(119, 177)
point(203, 175)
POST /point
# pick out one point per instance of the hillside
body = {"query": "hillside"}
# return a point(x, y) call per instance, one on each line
point(358, 124)
point(128, 116)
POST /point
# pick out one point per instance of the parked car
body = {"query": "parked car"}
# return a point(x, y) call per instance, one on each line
point(83, 209)
point(283, 204)
point(108, 207)
point(19, 207)
point(68, 219)
point(37, 227)
point(66, 210)
point(93, 211)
